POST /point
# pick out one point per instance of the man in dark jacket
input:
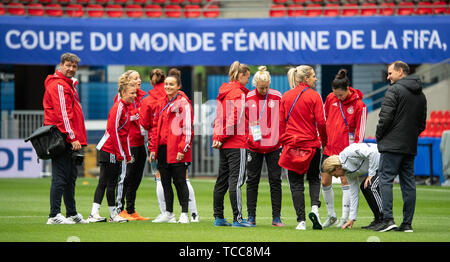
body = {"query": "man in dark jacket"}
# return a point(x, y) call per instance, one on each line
point(402, 119)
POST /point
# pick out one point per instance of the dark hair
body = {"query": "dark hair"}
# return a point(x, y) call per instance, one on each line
point(400, 64)
point(157, 76)
point(341, 80)
point(175, 73)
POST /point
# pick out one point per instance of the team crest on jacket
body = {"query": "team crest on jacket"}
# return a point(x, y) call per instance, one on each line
point(350, 110)
point(271, 103)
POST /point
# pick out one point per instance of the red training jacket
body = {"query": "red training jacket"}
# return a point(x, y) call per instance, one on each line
point(148, 106)
point(62, 107)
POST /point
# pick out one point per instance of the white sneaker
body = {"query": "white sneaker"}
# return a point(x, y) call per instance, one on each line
point(94, 218)
point(184, 218)
point(301, 226)
point(59, 219)
point(166, 217)
point(329, 221)
point(341, 222)
point(118, 219)
point(195, 218)
point(78, 219)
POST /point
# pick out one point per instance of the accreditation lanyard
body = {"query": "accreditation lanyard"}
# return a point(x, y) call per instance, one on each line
point(351, 135)
point(256, 129)
point(343, 116)
point(292, 107)
point(170, 101)
point(264, 105)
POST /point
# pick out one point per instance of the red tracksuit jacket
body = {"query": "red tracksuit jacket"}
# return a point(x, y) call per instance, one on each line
point(179, 118)
point(62, 107)
point(148, 106)
point(305, 130)
point(355, 112)
point(116, 141)
point(268, 121)
point(230, 125)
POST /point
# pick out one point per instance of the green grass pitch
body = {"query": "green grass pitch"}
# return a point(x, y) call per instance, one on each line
point(24, 208)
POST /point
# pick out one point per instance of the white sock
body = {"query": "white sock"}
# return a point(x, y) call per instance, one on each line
point(95, 208)
point(192, 203)
point(315, 209)
point(345, 201)
point(160, 196)
point(328, 197)
point(112, 211)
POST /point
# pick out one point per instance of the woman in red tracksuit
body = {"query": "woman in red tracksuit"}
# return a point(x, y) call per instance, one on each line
point(346, 116)
point(301, 120)
point(170, 144)
point(114, 150)
point(262, 112)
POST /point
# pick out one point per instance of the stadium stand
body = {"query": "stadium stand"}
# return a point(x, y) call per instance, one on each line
point(438, 122)
point(74, 10)
point(53, 10)
point(35, 9)
point(16, 9)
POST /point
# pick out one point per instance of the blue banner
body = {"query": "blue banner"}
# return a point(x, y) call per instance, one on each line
point(178, 42)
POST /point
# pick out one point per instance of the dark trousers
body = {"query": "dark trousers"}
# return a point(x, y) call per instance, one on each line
point(392, 164)
point(254, 165)
point(177, 173)
point(231, 178)
point(64, 176)
point(373, 197)
point(296, 184)
point(110, 171)
point(133, 177)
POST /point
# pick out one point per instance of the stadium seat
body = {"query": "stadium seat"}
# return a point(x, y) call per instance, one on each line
point(436, 116)
point(120, 2)
point(195, 1)
point(139, 1)
point(313, 10)
point(2, 9)
point(159, 1)
point(316, 1)
point(369, 9)
point(172, 11)
point(35, 9)
point(350, 10)
point(405, 8)
point(64, 1)
point(74, 10)
point(153, 11)
point(54, 10)
point(176, 1)
point(134, 11)
point(16, 9)
point(331, 10)
point(113, 10)
point(295, 10)
point(212, 11)
point(102, 1)
point(440, 7)
point(83, 1)
point(95, 10)
point(45, 1)
point(387, 9)
point(299, 1)
point(192, 11)
point(277, 11)
point(279, 1)
point(424, 8)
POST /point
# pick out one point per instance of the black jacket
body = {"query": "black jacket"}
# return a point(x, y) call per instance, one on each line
point(402, 117)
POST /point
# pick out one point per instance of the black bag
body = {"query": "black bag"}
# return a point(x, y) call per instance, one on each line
point(48, 142)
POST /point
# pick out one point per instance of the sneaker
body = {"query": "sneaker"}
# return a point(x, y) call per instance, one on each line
point(276, 222)
point(124, 214)
point(329, 221)
point(136, 216)
point(341, 222)
point(385, 225)
point(221, 222)
point(315, 220)
point(59, 219)
point(301, 225)
point(251, 220)
point(195, 218)
point(372, 225)
point(184, 218)
point(405, 227)
point(78, 219)
point(94, 218)
point(243, 223)
point(117, 218)
point(166, 217)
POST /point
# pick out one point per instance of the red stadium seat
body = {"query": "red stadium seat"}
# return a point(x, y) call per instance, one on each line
point(212, 11)
point(387, 9)
point(350, 10)
point(134, 11)
point(114, 10)
point(159, 1)
point(176, 1)
point(172, 11)
point(83, 1)
point(405, 8)
point(299, 1)
point(331, 10)
point(139, 1)
point(436, 116)
point(424, 8)
point(313, 10)
point(440, 7)
point(16, 9)
point(64, 1)
point(35, 9)
point(102, 1)
point(45, 1)
point(195, 1)
point(192, 11)
point(95, 10)
point(120, 2)
point(54, 10)
point(74, 10)
point(295, 10)
point(369, 9)
point(279, 1)
point(2, 9)
point(153, 11)
point(277, 11)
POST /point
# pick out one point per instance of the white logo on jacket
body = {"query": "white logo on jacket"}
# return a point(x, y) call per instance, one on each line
point(350, 110)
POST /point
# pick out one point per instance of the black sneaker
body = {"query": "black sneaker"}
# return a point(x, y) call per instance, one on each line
point(385, 225)
point(371, 225)
point(405, 227)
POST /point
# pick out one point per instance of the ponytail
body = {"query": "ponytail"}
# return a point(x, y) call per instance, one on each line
point(341, 80)
point(237, 68)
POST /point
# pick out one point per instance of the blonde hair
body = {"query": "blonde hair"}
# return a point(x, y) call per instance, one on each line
point(237, 68)
point(262, 75)
point(331, 163)
point(298, 74)
point(124, 81)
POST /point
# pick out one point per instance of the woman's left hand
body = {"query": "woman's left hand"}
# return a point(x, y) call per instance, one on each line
point(180, 156)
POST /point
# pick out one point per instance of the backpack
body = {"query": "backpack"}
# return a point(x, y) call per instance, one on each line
point(48, 142)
